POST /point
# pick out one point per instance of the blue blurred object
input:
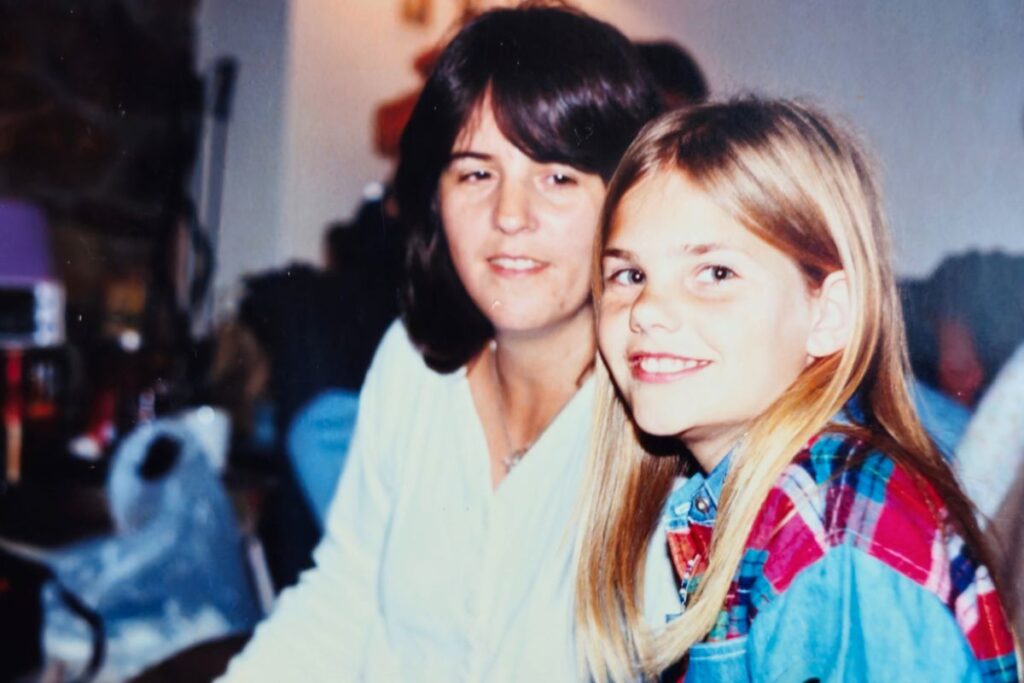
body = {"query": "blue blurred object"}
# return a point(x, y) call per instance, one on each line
point(317, 445)
point(944, 419)
point(170, 576)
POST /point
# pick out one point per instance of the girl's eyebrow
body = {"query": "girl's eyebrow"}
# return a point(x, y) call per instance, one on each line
point(612, 252)
point(701, 249)
point(687, 249)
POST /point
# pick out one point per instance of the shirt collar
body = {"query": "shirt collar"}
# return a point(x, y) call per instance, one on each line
point(697, 499)
point(716, 480)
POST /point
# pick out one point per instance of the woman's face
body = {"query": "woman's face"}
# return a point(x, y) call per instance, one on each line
point(520, 232)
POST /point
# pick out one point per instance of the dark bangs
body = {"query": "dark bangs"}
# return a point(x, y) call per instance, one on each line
point(566, 95)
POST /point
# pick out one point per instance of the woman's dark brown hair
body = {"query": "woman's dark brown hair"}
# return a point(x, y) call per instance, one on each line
point(564, 87)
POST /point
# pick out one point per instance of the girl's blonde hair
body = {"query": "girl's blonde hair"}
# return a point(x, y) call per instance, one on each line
point(800, 183)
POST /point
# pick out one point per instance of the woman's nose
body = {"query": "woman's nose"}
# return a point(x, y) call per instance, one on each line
point(512, 213)
point(653, 310)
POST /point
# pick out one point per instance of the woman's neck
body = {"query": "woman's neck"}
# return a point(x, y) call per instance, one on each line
point(532, 365)
point(521, 382)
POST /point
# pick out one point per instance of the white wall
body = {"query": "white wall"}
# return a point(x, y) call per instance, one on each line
point(255, 32)
point(937, 86)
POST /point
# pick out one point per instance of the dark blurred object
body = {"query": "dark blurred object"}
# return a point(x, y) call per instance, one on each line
point(198, 664)
point(238, 376)
point(31, 316)
point(368, 249)
point(101, 104)
point(679, 78)
point(20, 615)
point(102, 108)
point(1006, 533)
point(965, 320)
point(319, 331)
point(391, 116)
point(31, 298)
point(173, 572)
point(22, 578)
point(208, 189)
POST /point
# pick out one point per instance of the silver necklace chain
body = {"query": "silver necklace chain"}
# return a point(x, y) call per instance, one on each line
point(514, 455)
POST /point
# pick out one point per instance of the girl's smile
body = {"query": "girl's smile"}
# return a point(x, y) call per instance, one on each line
point(663, 367)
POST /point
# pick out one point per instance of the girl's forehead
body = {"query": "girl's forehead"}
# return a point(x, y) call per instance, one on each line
point(666, 213)
point(662, 197)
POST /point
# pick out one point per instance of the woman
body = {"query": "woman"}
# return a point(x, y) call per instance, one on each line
point(446, 555)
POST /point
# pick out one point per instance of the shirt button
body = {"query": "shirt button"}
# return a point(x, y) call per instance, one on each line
point(702, 505)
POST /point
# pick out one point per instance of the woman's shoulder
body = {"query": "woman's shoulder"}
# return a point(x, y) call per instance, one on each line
point(396, 346)
point(399, 383)
point(397, 359)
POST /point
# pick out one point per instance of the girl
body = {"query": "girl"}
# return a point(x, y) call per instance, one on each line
point(747, 310)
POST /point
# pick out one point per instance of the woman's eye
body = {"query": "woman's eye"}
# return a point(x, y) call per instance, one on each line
point(561, 179)
point(627, 276)
point(714, 274)
point(473, 176)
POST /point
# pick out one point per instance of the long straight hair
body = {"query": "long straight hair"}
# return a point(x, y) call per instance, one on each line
point(802, 184)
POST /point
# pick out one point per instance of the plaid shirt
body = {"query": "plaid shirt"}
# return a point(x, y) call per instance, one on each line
point(851, 573)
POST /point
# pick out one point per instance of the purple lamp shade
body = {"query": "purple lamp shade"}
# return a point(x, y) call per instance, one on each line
point(24, 243)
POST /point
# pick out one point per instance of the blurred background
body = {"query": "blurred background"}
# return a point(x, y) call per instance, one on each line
point(198, 257)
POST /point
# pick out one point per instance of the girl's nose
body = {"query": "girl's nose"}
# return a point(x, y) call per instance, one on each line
point(653, 310)
point(512, 213)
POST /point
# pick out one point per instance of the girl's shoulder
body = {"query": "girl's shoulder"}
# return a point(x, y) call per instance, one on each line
point(840, 490)
point(841, 493)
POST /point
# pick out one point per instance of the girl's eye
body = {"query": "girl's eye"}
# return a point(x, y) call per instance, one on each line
point(715, 274)
point(627, 276)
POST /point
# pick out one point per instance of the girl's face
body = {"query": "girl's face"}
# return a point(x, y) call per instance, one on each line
point(520, 232)
point(702, 324)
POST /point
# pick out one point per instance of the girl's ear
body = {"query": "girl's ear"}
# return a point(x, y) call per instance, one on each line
point(833, 318)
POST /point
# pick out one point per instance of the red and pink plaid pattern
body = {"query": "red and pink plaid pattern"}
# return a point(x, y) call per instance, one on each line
point(837, 491)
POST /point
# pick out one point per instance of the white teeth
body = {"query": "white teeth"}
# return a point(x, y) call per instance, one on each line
point(653, 364)
point(515, 263)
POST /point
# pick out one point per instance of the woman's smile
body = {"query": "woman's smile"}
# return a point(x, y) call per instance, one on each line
point(515, 266)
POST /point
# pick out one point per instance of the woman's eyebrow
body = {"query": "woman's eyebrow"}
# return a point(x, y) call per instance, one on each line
point(469, 154)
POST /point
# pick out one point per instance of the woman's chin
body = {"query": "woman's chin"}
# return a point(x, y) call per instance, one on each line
point(526, 321)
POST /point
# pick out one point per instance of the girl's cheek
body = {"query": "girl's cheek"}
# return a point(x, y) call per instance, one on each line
point(611, 306)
